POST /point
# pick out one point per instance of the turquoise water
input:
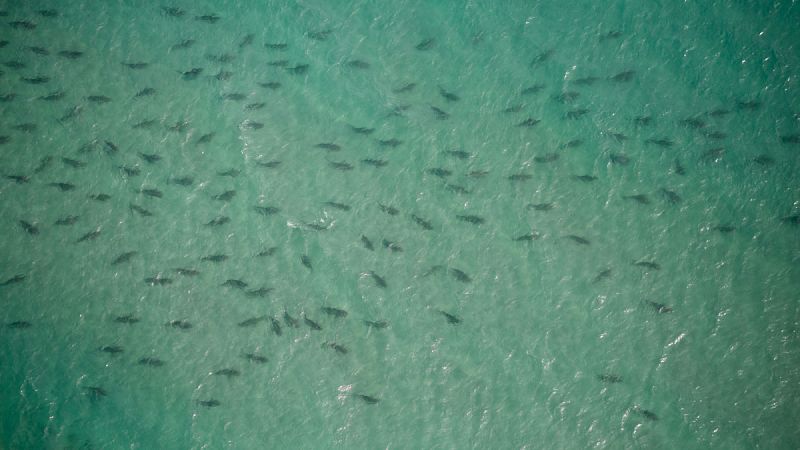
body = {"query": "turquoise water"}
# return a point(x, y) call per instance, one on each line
point(560, 342)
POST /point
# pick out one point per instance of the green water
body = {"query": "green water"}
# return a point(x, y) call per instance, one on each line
point(538, 327)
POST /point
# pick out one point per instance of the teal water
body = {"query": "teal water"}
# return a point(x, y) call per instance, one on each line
point(548, 352)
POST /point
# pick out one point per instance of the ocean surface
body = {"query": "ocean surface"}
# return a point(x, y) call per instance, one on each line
point(402, 225)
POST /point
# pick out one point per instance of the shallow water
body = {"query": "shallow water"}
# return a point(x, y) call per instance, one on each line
point(561, 342)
